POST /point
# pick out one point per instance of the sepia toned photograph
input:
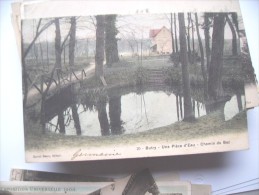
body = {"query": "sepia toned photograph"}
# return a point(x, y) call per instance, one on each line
point(124, 86)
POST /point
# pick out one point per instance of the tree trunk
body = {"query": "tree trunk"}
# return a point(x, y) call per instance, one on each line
point(115, 115)
point(198, 109)
point(234, 36)
point(61, 123)
point(76, 119)
point(203, 69)
point(215, 69)
point(41, 54)
point(175, 34)
point(181, 106)
point(111, 46)
point(99, 56)
point(177, 106)
point(193, 46)
point(207, 38)
point(172, 34)
point(235, 21)
point(47, 52)
point(64, 55)
point(72, 42)
point(188, 38)
point(193, 106)
point(188, 112)
point(35, 51)
point(58, 44)
point(103, 118)
point(239, 101)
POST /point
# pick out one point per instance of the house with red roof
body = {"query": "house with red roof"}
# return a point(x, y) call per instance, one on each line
point(161, 40)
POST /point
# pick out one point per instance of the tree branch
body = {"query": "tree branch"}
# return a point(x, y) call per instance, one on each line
point(36, 36)
point(63, 44)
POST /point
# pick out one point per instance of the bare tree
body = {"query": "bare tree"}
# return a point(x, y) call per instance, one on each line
point(172, 34)
point(76, 119)
point(188, 37)
point(192, 26)
point(216, 66)
point(206, 26)
point(56, 68)
point(102, 115)
point(72, 41)
point(175, 34)
point(61, 122)
point(99, 57)
point(188, 112)
point(115, 115)
point(235, 21)
point(203, 69)
point(234, 36)
point(39, 29)
point(58, 50)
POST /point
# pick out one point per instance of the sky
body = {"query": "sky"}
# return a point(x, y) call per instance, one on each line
point(139, 25)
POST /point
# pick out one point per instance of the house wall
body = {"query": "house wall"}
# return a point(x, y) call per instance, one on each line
point(164, 41)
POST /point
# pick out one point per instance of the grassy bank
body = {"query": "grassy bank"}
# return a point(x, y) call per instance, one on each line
point(206, 126)
point(133, 73)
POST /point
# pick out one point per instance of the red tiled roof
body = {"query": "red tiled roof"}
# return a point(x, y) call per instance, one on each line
point(153, 32)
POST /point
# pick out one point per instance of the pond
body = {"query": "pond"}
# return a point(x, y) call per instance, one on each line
point(123, 111)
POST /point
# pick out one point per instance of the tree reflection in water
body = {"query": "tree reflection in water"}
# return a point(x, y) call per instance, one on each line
point(103, 118)
point(129, 111)
point(115, 115)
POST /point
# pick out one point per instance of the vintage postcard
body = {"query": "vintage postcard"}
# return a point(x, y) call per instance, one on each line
point(133, 83)
point(175, 188)
point(51, 188)
point(33, 175)
point(140, 182)
point(136, 183)
point(143, 182)
point(252, 95)
point(201, 189)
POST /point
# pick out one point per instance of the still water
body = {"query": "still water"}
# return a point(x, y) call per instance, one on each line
point(128, 113)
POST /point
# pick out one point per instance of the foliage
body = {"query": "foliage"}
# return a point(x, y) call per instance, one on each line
point(173, 75)
point(175, 58)
point(111, 46)
point(91, 97)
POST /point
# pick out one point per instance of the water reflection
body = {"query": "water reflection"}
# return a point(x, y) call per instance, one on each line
point(128, 111)
point(235, 105)
point(76, 119)
point(115, 115)
point(103, 118)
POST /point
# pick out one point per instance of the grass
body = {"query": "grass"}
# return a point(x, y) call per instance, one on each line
point(206, 126)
